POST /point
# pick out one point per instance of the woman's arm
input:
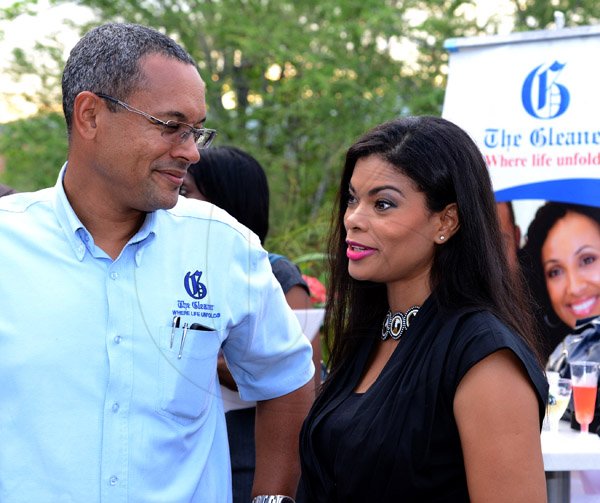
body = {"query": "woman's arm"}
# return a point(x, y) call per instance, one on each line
point(496, 410)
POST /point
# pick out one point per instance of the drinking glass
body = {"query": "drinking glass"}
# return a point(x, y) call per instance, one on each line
point(584, 379)
point(558, 400)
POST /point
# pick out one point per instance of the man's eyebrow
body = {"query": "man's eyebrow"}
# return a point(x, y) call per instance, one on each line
point(181, 117)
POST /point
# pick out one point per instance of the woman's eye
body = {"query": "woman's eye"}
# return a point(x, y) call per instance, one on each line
point(553, 272)
point(351, 199)
point(588, 259)
point(382, 204)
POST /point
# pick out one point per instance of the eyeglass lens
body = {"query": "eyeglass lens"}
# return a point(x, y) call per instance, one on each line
point(179, 133)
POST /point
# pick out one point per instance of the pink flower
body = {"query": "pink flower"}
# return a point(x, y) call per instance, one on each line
point(318, 292)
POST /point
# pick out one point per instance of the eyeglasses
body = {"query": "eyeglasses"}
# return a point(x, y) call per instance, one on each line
point(174, 132)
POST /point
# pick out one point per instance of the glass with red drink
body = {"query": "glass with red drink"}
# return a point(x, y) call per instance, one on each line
point(584, 378)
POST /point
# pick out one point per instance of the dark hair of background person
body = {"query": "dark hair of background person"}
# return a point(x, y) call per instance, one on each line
point(237, 183)
point(552, 327)
point(470, 269)
point(5, 190)
point(107, 60)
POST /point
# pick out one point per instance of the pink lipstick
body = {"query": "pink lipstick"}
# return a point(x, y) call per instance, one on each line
point(357, 251)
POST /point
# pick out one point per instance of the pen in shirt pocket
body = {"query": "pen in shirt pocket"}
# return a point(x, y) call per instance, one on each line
point(193, 326)
point(174, 326)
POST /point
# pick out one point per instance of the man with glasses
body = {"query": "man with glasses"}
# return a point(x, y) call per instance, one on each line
point(116, 297)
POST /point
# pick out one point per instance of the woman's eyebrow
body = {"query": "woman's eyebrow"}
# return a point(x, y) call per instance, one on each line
point(582, 248)
point(381, 188)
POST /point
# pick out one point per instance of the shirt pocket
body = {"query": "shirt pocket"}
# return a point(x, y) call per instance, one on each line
point(187, 373)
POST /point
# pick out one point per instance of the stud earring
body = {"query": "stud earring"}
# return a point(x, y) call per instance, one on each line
point(442, 238)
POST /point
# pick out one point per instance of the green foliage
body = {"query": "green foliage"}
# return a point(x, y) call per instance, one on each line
point(34, 150)
point(294, 83)
point(17, 8)
point(44, 62)
point(539, 14)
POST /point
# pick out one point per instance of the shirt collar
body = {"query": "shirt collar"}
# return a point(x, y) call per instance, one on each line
point(79, 237)
point(143, 237)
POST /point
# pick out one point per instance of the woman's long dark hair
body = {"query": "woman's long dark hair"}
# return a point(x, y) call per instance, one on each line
point(470, 269)
point(544, 220)
point(235, 181)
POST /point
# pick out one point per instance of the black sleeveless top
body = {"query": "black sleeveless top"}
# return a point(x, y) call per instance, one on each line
point(399, 441)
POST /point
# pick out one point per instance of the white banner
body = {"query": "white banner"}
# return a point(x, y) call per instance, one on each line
point(531, 101)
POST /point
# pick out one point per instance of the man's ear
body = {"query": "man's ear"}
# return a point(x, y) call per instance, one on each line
point(85, 111)
point(449, 223)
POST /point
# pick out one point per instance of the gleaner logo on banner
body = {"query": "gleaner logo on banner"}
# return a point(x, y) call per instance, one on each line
point(543, 96)
point(530, 101)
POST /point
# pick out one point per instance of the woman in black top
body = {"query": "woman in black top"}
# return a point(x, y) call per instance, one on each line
point(435, 393)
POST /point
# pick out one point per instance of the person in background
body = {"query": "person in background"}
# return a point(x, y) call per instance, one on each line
point(520, 263)
point(112, 321)
point(511, 232)
point(5, 190)
point(434, 378)
point(236, 182)
point(563, 245)
point(563, 249)
point(560, 273)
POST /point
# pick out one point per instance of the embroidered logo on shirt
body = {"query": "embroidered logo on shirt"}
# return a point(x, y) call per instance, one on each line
point(193, 287)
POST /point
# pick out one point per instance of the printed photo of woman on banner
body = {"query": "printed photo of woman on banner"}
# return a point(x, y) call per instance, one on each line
point(529, 100)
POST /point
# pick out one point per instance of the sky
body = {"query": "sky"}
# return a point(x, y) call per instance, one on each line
point(24, 31)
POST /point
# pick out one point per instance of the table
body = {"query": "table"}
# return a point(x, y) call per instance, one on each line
point(564, 451)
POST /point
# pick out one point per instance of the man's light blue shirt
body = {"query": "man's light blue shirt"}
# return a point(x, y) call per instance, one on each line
point(100, 398)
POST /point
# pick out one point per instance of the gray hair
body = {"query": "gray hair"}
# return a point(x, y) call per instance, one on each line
point(106, 60)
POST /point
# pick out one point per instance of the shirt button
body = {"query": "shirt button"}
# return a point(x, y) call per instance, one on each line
point(113, 480)
point(114, 275)
point(115, 407)
point(117, 339)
